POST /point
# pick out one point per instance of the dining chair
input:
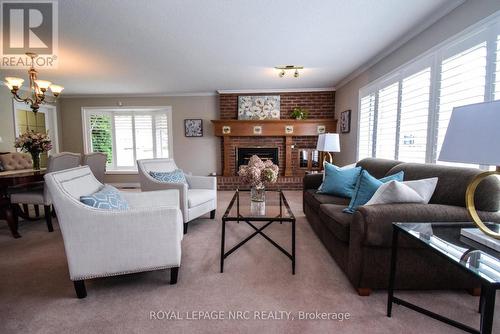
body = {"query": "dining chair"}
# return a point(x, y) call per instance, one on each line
point(37, 194)
point(97, 163)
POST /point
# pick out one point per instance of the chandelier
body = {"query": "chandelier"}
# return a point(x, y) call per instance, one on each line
point(38, 88)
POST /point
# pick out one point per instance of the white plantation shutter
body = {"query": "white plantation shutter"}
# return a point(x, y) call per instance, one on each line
point(496, 82)
point(366, 119)
point(161, 136)
point(415, 94)
point(128, 135)
point(462, 82)
point(387, 117)
point(124, 140)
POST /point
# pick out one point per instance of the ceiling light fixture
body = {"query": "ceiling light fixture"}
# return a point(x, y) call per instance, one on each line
point(37, 87)
point(284, 68)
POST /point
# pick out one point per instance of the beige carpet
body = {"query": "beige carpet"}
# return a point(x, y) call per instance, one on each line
point(36, 295)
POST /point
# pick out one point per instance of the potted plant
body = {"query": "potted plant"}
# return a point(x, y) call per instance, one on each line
point(34, 143)
point(299, 113)
point(258, 174)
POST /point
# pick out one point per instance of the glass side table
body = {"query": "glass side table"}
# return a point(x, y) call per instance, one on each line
point(445, 240)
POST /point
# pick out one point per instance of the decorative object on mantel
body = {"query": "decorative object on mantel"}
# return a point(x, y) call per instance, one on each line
point(193, 128)
point(259, 107)
point(257, 130)
point(34, 143)
point(299, 113)
point(283, 68)
point(328, 142)
point(472, 137)
point(274, 127)
point(37, 87)
point(226, 130)
point(258, 174)
point(345, 121)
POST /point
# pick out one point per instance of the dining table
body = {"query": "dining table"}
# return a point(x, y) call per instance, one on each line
point(10, 181)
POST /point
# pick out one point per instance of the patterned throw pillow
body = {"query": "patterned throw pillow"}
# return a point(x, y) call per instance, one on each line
point(108, 198)
point(176, 176)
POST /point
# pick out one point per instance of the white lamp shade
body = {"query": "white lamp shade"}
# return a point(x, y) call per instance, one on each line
point(473, 135)
point(328, 142)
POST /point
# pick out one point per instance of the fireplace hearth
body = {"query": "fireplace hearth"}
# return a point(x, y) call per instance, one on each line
point(243, 155)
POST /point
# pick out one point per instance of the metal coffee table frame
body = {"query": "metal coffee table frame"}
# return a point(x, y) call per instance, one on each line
point(283, 205)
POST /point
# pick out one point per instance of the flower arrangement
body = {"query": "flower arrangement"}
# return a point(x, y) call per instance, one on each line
point(34, 143)
point(258, 173)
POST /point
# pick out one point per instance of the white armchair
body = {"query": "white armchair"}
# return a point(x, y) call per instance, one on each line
point(196, 198)
point(102, 243)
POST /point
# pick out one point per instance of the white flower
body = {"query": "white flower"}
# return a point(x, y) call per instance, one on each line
point(275, 113)
point(259, 102)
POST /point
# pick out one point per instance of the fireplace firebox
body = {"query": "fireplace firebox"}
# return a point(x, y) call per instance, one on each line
point(243, 155)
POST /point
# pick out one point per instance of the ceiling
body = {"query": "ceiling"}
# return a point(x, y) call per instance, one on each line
point(159, 47)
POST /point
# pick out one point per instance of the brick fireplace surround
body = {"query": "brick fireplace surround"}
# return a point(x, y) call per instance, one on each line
point(320, 105)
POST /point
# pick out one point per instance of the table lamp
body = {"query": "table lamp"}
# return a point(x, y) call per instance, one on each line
point(328, 142)
point(473, 136)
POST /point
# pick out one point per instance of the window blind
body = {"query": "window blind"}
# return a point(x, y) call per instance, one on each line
point(387, 121)
point(496, 80)
point(366, 118)
point(462, 82)
point(415, 93)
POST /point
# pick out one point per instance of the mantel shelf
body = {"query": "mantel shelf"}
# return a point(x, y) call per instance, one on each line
point(274, 127)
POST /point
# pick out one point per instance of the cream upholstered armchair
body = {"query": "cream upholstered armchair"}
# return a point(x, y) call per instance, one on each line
point(197, 197)
point(97, 163)
point(100, 242)
point(37, 194)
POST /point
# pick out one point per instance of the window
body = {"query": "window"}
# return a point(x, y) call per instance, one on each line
point(405, 114)
point(128, 135)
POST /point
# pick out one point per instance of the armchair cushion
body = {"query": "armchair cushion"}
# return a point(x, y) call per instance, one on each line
point(199, 196)
point(108, 198)
point(176, 176)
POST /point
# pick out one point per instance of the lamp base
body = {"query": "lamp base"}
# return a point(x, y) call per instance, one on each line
point(469, 201)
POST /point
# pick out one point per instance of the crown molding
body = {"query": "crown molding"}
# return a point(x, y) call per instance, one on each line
point(76, 96)
point(277, 90)
point(436, 16)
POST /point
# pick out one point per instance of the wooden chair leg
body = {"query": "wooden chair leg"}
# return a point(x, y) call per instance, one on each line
point(26, 210)
point(12, 221)
point(212, 214)
point(80, 290)
point(174, 273)
point(53, 212)
point(185, 228)
point(37, 210)
point(364, 292)
point(48, 217)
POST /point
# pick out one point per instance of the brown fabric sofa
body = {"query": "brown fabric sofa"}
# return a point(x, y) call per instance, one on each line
point(361, 243)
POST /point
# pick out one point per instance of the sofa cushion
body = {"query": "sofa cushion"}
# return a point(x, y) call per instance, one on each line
point(337, 221)
point(199, 196)
point(452, 184)
point(339, 181)
point(366, 186)
point(378, 167)
point(176, 176)
point(108, 198)
point(315, 199)
point(16, 161)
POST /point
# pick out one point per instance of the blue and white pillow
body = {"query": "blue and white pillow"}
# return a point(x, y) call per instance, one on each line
point(176, 176)
point(108, 198)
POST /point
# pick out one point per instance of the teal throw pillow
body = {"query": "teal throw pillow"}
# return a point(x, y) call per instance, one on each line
point(366, 186)
point(108, 198)
point(339, 181)
point(176, 176)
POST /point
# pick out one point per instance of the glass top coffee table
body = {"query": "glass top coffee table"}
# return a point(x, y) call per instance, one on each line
point(275, 208)
point(445, 240)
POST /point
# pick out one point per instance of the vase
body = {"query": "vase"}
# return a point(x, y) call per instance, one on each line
point(258, 194)
point(35, 156)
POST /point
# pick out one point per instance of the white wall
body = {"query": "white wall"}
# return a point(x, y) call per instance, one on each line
point(200, 155)
point(347, 95)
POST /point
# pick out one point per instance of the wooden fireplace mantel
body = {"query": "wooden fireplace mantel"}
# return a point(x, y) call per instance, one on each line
point(275, 127)
point(287, 128)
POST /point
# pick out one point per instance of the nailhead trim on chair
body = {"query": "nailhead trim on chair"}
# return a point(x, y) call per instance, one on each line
point(121, 273)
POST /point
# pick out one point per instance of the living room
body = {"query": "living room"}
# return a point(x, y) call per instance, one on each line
point(261, 166)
